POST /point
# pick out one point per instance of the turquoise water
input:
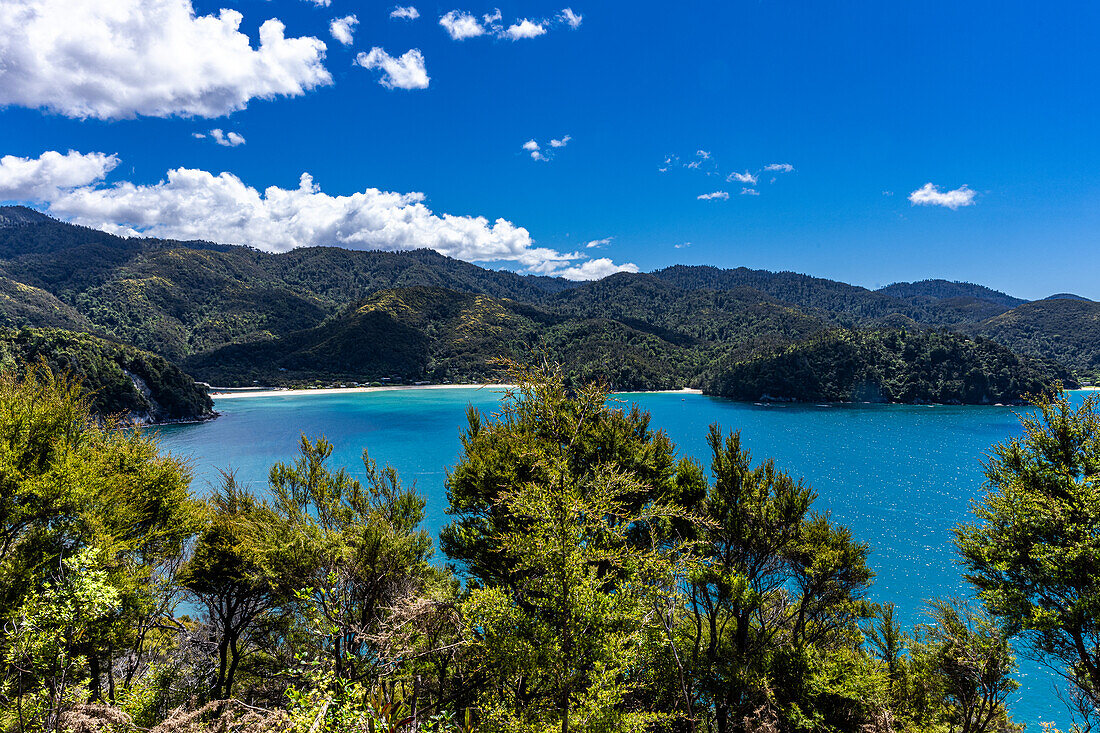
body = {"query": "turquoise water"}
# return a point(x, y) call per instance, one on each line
point(899, 476)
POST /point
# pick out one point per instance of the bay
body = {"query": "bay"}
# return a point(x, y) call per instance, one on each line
point(900, 476)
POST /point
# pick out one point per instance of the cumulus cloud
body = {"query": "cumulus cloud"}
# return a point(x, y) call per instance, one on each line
point(120, 59)
point(343, 29)
point(404, 72)
point(682, 245)
point(547, 151)
point(44, 178)
point(595, 269)
point(599, 243)
point(749, 192)
point(779, 167)
point(406, 12)
point(745, 177)
point(573, 20)
point(196, 204)
point(714, 195)
point(228, 139)
point(532, 147)
point(524, 29)
point(461, 25)
point(321, 3)
point(931, 195)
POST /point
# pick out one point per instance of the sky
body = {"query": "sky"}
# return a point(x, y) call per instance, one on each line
point(867, 142)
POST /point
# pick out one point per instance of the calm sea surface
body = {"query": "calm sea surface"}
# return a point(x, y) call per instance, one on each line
point(899, 476)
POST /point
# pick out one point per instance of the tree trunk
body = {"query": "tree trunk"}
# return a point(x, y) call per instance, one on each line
point(95, 691)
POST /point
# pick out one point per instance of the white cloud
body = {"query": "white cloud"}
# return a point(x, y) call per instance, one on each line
point(779, 167)
point(573, 20)
point(404, 72)
point(44, 178)
point(123, 58)
point(722, 195)
point(525, 29)
point(198, 135)
point(594, 269)
point(228, 139)
point(749, 192)
point(931, 195)
point(343, 29)
point(461, 25)
point(745, 177)
point(532, 147)
point(541, 152)
point(407, 12)
point(321, 3)
point(682, 245)
point(704, 154)
point(599, 243)
point(196, 204)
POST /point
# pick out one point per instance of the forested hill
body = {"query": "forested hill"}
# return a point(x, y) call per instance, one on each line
point(119, 380)
point(236, 315)
point(890, 366)
point(927, 291)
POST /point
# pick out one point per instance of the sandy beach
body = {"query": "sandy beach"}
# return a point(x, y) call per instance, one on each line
point(285, 392)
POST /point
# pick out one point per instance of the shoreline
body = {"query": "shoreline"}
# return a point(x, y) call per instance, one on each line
point(287, 392)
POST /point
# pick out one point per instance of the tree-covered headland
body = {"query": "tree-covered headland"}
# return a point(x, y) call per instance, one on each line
point(589, 581)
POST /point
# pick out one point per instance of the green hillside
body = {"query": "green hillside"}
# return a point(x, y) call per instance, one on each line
point(925, 291)
point(888, 366)
point(238, 316)
point(120, 380)
point(1063, 329)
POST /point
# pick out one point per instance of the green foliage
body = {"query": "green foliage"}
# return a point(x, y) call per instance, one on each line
point(973, 661)
point(51, 629)
point(73, 490)
point(775, 603)
point(1034, 547)
point(561, 635)
point(888, 366)
point(119, 380)
point(356, 553)
point(502, 455)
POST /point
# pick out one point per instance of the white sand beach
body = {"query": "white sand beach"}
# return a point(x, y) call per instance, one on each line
point(230, 393)
point(286, 392)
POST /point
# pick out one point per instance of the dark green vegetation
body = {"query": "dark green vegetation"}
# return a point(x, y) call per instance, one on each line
point(609, 585)
point(1063, 329)
point(120, 380)
point(888, 366)
point(234, 316)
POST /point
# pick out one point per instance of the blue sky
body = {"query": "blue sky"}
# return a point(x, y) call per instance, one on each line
point(867, 102)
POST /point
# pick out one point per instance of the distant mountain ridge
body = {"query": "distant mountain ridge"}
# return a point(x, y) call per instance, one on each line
point(930, 290)
point(236, 315)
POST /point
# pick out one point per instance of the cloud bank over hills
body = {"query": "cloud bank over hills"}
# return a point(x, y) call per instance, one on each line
point(196, 204)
